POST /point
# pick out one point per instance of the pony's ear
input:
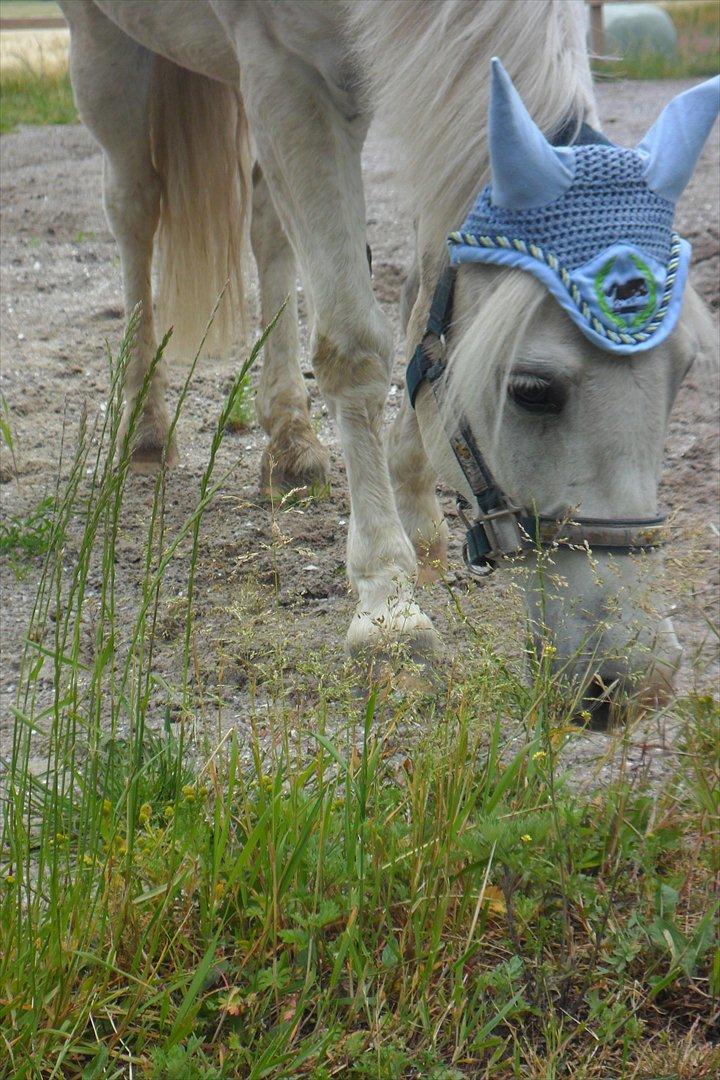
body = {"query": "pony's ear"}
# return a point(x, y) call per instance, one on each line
point(674, 142)
point(526, 170)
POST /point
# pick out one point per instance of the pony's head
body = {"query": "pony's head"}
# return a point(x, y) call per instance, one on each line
point(572, 329)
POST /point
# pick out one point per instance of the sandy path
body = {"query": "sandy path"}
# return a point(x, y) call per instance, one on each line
point(61, 299)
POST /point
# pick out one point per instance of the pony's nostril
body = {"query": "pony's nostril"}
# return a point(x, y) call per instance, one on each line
point(605, 683)
point(600, 700)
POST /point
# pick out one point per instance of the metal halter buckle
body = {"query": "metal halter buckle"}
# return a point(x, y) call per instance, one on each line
point(493, 535)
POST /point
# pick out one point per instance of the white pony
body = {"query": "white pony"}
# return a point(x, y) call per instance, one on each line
point(183, 95)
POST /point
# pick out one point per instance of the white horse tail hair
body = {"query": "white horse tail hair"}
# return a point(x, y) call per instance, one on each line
point(201, 151)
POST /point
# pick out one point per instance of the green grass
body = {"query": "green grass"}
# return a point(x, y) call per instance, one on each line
point(34, 97)
point(310, 905)
point(242, 411)
point(31, 534)
point(22, 537)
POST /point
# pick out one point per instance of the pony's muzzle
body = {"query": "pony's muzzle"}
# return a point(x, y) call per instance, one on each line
point(612, 690)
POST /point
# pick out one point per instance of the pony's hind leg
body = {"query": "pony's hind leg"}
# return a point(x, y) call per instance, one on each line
point(414, 483)
point(111, 77)
point(294, 457)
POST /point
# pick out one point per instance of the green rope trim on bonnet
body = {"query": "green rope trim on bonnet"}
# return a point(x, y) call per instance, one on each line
point(572, 290)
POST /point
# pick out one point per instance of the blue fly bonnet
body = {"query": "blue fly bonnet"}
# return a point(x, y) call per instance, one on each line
point(593, 223)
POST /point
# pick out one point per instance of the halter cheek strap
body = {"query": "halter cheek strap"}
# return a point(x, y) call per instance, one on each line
point(501, 529)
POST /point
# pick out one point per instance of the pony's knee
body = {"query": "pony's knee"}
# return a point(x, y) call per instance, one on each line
point(355, 368)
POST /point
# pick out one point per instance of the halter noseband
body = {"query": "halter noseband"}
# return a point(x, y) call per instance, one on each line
point(500, 529)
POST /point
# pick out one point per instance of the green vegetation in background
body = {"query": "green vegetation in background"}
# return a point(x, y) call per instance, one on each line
point(31, 534)
point(32, 97)
point(22, 537)
point(308, 905)
point(698, 28)
point(242, 412)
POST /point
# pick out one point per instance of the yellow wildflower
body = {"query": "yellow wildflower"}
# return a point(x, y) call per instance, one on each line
point(526, 838)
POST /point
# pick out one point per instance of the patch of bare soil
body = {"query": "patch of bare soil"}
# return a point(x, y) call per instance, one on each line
point(272, 599)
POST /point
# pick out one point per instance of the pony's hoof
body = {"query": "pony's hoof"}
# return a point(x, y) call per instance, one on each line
point(148, 440)
point(298, 464)
point(391, 633)
point(148, 450)
point(146, 457)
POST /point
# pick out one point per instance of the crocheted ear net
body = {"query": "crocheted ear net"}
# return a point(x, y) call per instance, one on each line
point(603, 242)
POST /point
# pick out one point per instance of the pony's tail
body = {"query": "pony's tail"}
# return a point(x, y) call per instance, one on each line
point(201, 151)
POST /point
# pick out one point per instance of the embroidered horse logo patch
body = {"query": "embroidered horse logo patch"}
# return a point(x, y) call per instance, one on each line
point(625, 290)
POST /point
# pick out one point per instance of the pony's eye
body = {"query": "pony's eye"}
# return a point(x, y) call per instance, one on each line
point(536, 394)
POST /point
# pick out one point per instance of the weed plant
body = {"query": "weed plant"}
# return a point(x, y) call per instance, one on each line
point(317, 907)
point(242, 412)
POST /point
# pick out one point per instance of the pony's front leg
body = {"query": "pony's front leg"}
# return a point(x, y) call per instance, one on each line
point(354, 377)
point(309, 152)
point(413, 478)
point(294, 456)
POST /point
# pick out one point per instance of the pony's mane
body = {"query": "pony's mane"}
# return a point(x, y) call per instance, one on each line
point(509, 301)
point(426, 66)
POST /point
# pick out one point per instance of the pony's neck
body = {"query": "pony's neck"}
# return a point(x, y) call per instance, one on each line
point(429, 68)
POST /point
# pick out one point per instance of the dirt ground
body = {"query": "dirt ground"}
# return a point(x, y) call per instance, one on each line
point(272, 592)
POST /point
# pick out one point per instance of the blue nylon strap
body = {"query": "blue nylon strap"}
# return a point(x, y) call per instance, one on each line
point(586, 136)
point(416, 372)
point(479, 547)
point(441, 307)
point(422, 366)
